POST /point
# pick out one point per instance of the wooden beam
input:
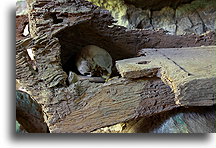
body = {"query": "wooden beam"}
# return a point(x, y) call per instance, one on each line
point(57, 37)
point(190, 72)
point(114, 102)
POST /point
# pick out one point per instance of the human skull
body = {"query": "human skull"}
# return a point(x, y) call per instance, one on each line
point(94, 61)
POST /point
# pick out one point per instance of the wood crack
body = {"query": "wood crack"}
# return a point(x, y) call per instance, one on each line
point(188, 73)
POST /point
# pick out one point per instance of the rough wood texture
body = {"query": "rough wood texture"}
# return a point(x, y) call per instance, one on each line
point(190, 72)
point(114, 102)
point(59, 29)
point(21, 22)
point(79, 23)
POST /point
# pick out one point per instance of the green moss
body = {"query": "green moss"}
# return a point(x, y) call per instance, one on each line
point(117, 8)
point(180, 124)
point(194, 6)
point(17, 127)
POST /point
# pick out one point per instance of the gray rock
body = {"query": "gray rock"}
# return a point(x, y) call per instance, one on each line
point(139, 18)
point(208, 17)
point(164, 19)
point(189, 24)
point(21, 7)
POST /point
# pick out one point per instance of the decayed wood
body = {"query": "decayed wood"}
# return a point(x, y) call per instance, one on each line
point(190, 72)
point(79, 23)
point(21, 22)
point(114, 102)
point(58, 31)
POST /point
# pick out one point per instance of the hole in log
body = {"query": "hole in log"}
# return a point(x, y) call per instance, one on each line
point(31, 59)
point(55, 19)
point(143, 62)
point(74, 39)
point(26, 30)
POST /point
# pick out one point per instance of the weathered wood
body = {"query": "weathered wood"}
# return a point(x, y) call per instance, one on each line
point(114, 102)
point(21, 22)
point(190, 72)
point(58, 31)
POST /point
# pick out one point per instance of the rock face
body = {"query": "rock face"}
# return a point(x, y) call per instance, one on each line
point(29, 114)
point(21, 7)
point(165, 18)
point(156, 4)
point(117, 8)
point(182, 120)
point(177, 17)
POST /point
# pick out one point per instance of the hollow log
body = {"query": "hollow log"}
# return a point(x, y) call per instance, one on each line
point(115, 102)
point(59, 30)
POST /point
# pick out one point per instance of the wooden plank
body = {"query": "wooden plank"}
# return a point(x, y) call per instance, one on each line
point(190, 72)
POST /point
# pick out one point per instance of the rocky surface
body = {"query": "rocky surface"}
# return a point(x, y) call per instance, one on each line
point(156, 4)
point(21, 7)
point(29, 115)
point(181, 120)
point(20, 128)
point(177, 17)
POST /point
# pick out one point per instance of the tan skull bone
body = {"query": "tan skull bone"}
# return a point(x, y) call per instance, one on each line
point(94, 61)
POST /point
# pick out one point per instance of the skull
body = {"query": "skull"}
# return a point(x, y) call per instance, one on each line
point(94, 61)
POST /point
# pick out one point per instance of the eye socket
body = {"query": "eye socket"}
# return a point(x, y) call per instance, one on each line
point(143, 62)
point(109, 66)
point(87, 74)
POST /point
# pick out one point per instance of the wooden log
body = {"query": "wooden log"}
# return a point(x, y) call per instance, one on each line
point(190, 72)
point(83, 107)
point(21, 22)
point(114, 102)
